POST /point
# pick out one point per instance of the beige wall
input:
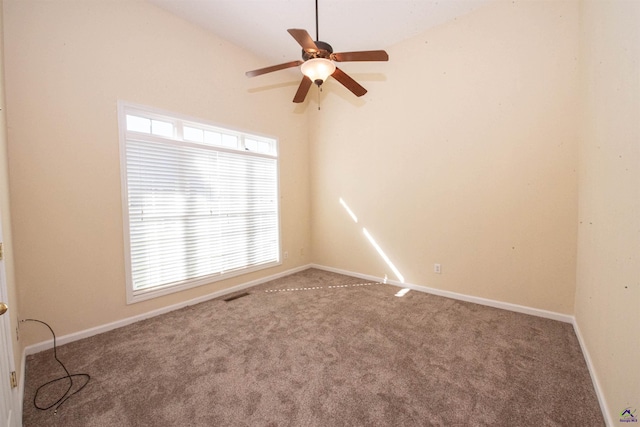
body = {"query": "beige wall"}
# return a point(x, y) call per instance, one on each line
point(463, 153)
point(67, 63)
point(608, 279)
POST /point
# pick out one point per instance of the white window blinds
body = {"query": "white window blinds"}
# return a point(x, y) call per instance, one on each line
point(196, 211)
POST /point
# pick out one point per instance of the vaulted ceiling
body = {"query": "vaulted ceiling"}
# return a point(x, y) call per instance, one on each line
point(348, 25)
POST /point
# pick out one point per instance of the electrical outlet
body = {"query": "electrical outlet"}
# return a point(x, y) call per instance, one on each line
point(437, 269)
point(286, 254)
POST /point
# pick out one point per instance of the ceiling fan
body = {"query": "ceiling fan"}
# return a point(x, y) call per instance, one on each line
point(317, 63)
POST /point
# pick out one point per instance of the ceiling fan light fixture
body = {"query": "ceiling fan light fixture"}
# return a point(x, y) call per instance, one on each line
point(318, 69)
point(317, 63)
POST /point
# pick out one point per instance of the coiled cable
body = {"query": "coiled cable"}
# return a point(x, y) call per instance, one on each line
point(69, 376)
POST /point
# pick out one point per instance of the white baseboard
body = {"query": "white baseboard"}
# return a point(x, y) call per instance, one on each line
point(65, 339)
point(594, 376)
point(45, 345)
point(35, 348)
point(462, 297)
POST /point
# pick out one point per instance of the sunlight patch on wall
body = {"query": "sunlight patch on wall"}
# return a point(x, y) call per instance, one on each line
point(383, 255)
point(349, 211)
point(373, 243)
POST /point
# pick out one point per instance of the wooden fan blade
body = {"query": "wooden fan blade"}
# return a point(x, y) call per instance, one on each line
point(348, 82)
point(304, 39)
point(273, 68)
point(364, 55)
point(303, 89)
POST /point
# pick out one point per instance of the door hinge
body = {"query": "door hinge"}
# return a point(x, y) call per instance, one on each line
point(1, 252)
point(14, 379)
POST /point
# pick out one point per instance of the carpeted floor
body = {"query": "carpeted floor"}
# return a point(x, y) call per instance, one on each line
point(322, 349)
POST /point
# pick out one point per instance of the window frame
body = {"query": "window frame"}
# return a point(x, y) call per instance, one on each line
point(178, 120)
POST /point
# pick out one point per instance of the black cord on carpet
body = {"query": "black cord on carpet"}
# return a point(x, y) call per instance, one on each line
point(67, 394)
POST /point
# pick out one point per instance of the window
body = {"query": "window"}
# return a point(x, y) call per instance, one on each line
point(200, 202)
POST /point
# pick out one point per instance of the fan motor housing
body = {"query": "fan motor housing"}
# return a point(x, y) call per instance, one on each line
point(324, 51)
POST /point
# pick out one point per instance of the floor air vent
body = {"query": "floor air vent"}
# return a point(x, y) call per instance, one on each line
point(236, 296)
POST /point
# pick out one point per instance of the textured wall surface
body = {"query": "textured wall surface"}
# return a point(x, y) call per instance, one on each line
point(608, 274)
point(67, 65)
point(463, 153)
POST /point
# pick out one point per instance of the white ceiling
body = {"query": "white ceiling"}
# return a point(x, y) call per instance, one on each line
point(348, 25)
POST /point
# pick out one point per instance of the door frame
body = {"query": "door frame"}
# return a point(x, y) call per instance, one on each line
point(8, 393)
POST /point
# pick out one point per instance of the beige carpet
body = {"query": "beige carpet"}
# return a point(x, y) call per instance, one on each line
point(322, 349)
